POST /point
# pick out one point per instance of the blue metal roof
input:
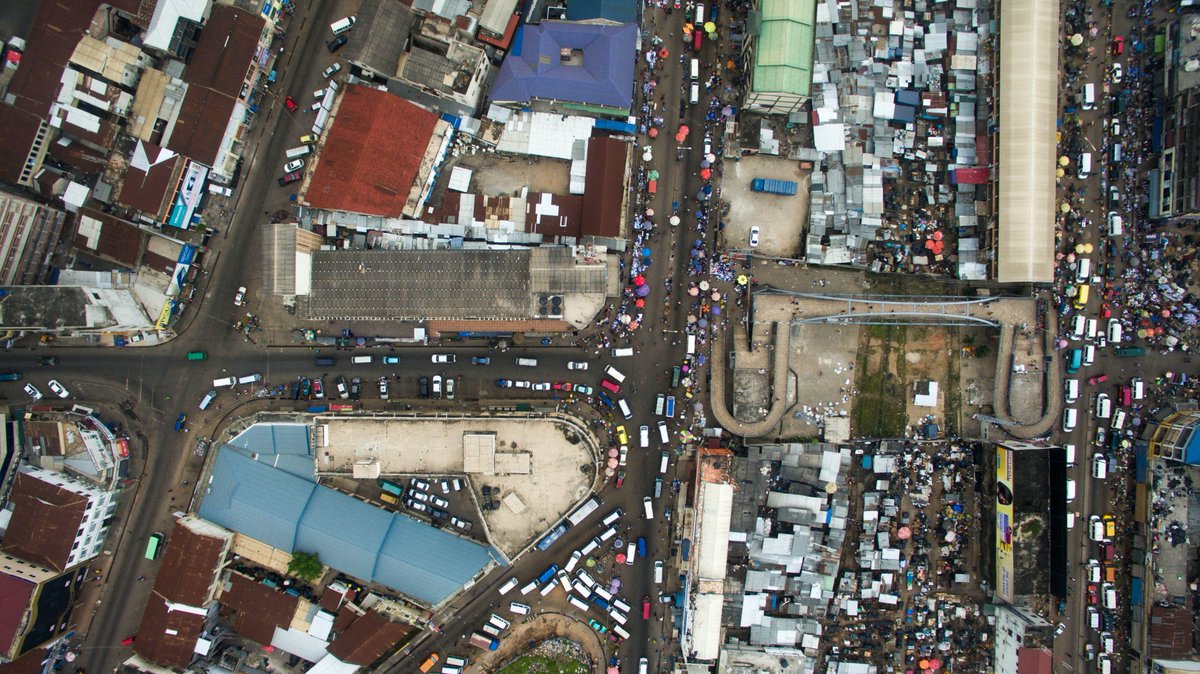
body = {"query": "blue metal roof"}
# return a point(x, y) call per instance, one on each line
point(270, 502)
point(604, 78)
point(620, 11)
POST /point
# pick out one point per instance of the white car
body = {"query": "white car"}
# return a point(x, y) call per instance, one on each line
point(644, 436)
point(577, 365)
point(624, 455)
point(437, 386)
point(1114, 127)
point(542, 386)
point(450, 388)
point(33, 392)
point(754, 231)
point(383, 388)
point(59, 389)
point(443, 358)
point(1116, 73)
point(417, 483)
point(239, 299)
point(419, 496)
point(439, 501)
point(293, 165)
point(331, 70)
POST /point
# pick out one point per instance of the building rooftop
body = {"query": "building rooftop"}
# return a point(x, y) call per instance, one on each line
point(569, 62)
point(257, 609)
point(367, 639)
point(783, 59)
point(604, 195)
point(190, 561)
point(45, 520)
point(446, 284)
point(16, 592)
point(149, 179)
point(372, 155)
point(617, 11)
point(168, 637)
point(291, 513)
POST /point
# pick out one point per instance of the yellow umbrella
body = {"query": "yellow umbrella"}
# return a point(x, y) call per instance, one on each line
point(1064, 161)
point(1065, 208)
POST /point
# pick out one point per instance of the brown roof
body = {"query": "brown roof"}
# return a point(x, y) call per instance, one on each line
point(604, 187)
point(333, 599)
point(17, 593)
point(28, 663)
point(167, 637)
point(118, 240)
point(257, 609)
point(531, 325)
point(368, 639)
point(80, 157)
point(17, 130)
point(1035, 661)
point(372, 155)
point(568, 221)
point(189, 564)
point(215, 75)
point(150, 190)
point(46, 435)
point(1171, 631)
point(45, 521)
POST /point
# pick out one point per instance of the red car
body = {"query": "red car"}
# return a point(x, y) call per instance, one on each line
point(620, 479)
point(1098, 379)
point(1118, 45)
point(290, 104)
point(1092, 597)
point(561, 386)
point(1105, 311)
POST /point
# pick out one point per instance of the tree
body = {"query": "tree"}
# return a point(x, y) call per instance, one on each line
point(982, 351)
point(306, 566)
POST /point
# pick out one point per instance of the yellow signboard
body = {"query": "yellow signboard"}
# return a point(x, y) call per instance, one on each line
point(1004, 524)
point(164, 316)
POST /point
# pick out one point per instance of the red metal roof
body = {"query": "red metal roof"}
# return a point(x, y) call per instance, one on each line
point(45, 520)
point(17, 593)
point(604, 187)
point(167, 637)
point(372, 155)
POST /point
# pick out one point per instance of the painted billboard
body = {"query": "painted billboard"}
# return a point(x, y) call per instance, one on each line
point(1004, 524)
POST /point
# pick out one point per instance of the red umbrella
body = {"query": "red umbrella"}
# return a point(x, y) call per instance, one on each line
point(937, 236)
point(639, 279)
point(653, 133)
point(663, 53)
point(620, 558)
point(639, 303)
point(705, 174)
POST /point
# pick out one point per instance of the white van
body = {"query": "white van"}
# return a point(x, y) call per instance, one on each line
point(1118, 153)
point(1085, 164)
point(508, 585)
point(548, 587)
point(1070, 449)
point(224, 381)
point(662, 464)
point(621, 605)
point(527, 362)
point(662, 432)
point(1093, 618)
point(530, 587)
point(1070, 520)
point(618, 617)
point(660, 401)
point(1089, 96)
point(1118, 421)
point(573, 561)
point(1139, 388)
point(361, 360)
point(1092, 325)
point(1070, 418)
point(1114, 331)
point(611, 518)
point(1078, 325)
point(614, 374)
point(648, 505)
point(658, 572)
point(625, 408)
point(1103, 406)
point(623, 352)
point(1071, 390)
point(1095, 528)
point(1115, 224)
point(1070, 490)
point(219, 190)
point(1099, 466)
point(591, 546)
point(1106, 642)
point(298, 152)
point(1104, 663)
point(630, 553)
point(695, 97)
point(207, 400)
point(519, 608)
point(250, 379)
point(578, 603)
point(608, 533)
point(342, 25)
point(1110, 595)
point(691, 345)
point(695, 69)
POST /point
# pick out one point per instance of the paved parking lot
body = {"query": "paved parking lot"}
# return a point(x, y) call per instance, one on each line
point(540, 468)
point(780, 219)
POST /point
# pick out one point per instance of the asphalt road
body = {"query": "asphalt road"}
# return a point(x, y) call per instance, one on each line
point(1095, 496)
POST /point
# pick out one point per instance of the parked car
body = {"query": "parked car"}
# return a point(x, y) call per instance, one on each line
point(331, 70)
point(450, 388)
point(541, 386)
point(293, 165)
point(481, 360)
point(383, 388)
point(289, 178)
point(503, 383)
point(437, 386)
point(33, 392)
point(290, 103)
point(423, 386)
point(59, 390)
point(48, 360)
point(239, 298)
point(584, 389)
point(391, 360)
point(577, 365)
point(180, 421)
point(336, 43)
point(443, 358)
point(754, 231)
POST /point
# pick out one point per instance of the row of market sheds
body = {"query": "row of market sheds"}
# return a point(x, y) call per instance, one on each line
point(791, 541)
point(912, 110)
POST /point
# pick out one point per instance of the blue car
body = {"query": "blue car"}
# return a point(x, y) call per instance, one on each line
point(481, 360)
point(391, 360)
point(503, 383)
point(180, 422)
point(641, 546)
point(605, 400)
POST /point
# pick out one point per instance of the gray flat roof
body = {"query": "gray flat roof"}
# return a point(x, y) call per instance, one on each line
point(445, 284)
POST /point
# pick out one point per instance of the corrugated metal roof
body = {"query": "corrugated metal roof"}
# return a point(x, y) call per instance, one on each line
point(619, 11)
point(783, 59)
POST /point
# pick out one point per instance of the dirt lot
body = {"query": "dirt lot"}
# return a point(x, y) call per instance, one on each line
point(501, 174)
point(560, 460)
point(569, 635)
point(780, 219)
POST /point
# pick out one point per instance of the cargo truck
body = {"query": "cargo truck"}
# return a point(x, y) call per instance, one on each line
point(487, 643)
point(785, 188)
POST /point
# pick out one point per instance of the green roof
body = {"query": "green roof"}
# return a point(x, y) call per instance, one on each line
point(784, 56)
